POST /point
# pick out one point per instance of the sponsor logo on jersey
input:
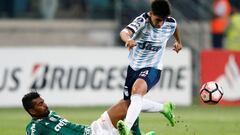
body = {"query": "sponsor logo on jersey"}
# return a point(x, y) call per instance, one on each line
point(33, 129)
point(133, 26)
point(149, 46)
point(62, 122)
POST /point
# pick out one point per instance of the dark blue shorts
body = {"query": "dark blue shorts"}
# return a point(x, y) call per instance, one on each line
point(149, 74)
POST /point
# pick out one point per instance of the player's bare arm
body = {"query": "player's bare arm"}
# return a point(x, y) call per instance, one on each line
point(126, 35)
point(178, 44)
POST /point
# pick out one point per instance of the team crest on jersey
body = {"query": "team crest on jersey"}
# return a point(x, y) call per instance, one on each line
point(52, 119)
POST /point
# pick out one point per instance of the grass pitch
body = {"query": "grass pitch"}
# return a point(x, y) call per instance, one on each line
point(194, 120)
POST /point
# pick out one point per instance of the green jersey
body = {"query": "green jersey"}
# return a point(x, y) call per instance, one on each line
point(54, 124)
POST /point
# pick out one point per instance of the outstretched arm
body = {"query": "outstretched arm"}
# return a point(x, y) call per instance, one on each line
point(126, 35)
point(178, 44)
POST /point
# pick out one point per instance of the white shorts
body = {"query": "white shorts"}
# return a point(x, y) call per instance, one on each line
point(103, 126)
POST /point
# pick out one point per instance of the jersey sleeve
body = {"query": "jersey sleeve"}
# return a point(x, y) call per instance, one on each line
point(172, 23)
point(138, 23)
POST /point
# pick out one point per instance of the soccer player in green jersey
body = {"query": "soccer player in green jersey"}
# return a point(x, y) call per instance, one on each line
point(46, 122)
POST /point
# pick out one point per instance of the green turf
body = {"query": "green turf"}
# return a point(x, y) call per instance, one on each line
point(195, 120)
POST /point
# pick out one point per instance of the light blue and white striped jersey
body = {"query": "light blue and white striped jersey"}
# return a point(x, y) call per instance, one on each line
point(151, 42)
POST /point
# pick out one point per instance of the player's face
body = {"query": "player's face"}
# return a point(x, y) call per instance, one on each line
point(40, 108)
point(156, 21)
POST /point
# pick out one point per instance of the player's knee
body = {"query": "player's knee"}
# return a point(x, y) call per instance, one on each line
point(124, 103)
point(139, 87)
point(138, 90)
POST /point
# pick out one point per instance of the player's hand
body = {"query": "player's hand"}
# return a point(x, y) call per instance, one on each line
point(130, 44)
point(177, 47)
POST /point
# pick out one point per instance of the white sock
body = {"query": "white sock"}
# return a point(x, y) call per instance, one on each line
point(151, 106)
point(134, 109)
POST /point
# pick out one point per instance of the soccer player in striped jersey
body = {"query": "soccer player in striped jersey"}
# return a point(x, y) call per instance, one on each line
point(46, 122)
point(146, 38)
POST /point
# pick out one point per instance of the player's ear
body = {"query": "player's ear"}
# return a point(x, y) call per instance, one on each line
point(32, 112)
point(151, 13)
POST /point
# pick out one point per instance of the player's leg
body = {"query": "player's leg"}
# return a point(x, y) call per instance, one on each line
point(130, 79)
point(166, 109)
point(147, 78)
point(118, 111)
point(151, 106)
point(138, 90)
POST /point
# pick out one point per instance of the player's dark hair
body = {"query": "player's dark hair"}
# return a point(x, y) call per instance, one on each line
point(27, 100)
point(161, 8)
